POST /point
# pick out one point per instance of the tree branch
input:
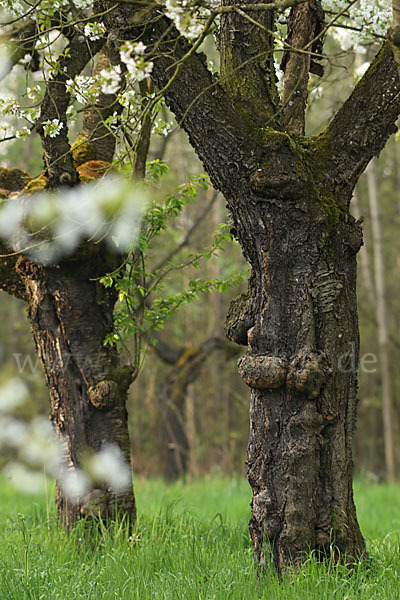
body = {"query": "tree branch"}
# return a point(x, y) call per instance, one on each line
point(60, 169)
point(305, 23)
point(247, 62)
point(200, 105)
point(96, 141)
point(164, 351)
point(362, 125)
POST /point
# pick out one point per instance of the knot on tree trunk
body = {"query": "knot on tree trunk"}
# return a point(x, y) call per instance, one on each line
point(262, 372)
point(306, 374)
point(283, 173)
point(103, 395)
point(239, 319)
point(264, 512)
point(107, 393)
point(94, 504)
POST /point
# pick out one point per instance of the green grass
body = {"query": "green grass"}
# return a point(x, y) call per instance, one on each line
point(191, 542)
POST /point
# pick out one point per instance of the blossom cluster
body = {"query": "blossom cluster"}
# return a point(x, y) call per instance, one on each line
point(110, 79)
point(94, 31)
point(84, 88)
point(52, 128)
point(185, 17)
point(133, 56)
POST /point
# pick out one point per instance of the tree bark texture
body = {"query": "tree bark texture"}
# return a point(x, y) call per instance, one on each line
point(70, 313)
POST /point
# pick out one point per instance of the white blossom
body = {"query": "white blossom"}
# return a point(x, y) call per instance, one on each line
point(84, 88)
point(26, 59)
point(110, 80)
point(94, 31)
point(52, 128)
point(184, 17)
point(22, 133)
point(139, 48)
point(137, 66)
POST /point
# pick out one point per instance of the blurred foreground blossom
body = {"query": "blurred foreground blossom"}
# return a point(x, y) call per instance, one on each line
point(109, 466)
point(12, 394)
point(106, 467)
point(4, 62)
point(51, 225)
point(31, 449)
point(75, 483)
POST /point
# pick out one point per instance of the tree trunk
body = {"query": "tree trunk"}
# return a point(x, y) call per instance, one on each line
point(301, 363)
point(70, 313)
point(383, 335)
point(172, 396)
point(289, 200)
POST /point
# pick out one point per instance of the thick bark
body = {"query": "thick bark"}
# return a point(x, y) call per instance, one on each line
point(301, 362)
point(70, 314)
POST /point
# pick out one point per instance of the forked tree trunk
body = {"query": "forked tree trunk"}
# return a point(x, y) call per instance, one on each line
point(172, 395)
point(70, 313)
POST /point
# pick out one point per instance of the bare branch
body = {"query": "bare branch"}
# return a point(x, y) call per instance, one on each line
point(305, 23)
point(247, 62)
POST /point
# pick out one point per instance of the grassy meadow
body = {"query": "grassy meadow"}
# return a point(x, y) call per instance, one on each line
point(191, 541)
